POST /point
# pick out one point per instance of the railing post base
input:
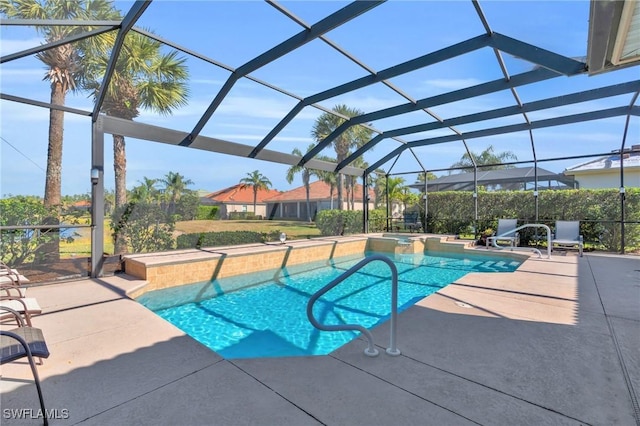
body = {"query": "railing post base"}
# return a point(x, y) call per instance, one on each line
point(370, 352)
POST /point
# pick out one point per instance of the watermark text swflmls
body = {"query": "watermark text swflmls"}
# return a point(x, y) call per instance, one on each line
point(30, 413)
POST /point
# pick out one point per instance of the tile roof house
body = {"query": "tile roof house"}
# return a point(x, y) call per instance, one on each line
point(604, 172)
point(293, 204)
point(238, 199)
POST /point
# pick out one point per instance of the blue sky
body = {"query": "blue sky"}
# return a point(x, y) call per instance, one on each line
point(235, 32)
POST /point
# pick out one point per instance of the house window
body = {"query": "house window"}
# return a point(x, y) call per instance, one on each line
point(244, 208)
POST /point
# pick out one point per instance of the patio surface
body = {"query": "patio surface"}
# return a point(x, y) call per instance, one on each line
point(556, 342)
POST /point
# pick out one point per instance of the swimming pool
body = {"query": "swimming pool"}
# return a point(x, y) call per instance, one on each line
point(264, 314)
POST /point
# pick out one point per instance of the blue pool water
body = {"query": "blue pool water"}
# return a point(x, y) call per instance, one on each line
point(264, 314)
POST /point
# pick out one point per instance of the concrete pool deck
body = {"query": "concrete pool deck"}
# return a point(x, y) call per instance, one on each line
point(556, 342)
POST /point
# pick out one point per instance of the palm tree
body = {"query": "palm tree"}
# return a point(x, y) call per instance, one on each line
point(174, 186)
point(377, 180)
point(355, 136)
point(256, 181)
point(330, 178)
point(144, 77)
point(64, 65)
point(351, 182)
point(430, 176)
point(394, 186)
point(306, 175)
point(486, 157)
point(146, 192)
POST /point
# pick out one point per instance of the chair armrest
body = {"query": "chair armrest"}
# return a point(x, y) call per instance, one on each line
point(7, 289)
point(15, 313)
point(25, 309)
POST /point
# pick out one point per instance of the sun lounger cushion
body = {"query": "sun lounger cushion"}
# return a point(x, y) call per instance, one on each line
point(30, 302)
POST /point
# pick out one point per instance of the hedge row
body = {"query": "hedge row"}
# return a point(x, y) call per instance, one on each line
point(453, 212)
point(207, 212)
point(226, 238)
point(598, 210)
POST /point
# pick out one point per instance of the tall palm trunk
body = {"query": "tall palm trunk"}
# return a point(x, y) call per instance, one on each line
point(307, 188)
point(53, 184)
point(50, 251)
point(120, 171)
point(340, 183)
point(255, 199)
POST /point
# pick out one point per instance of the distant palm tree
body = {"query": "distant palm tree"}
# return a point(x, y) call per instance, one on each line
point(144, 77)
point(256, 181)
point(377, 180)
point(174, 186)
point(64, 65)
point(351, 182)
point(486, 157)
point(146, 192)
point(430, 176)
point(330, 178)
point(394, 186)
point(354, 137)
point(306, 175)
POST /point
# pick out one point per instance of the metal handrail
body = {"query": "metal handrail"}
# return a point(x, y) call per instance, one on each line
point(371, 350)
point(528, 225)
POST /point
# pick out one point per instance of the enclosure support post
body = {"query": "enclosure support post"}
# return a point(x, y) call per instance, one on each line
point(426, 201)
point(622, 190)
point(365, 203)
point(386, 194)
point(475, 198)
point(97, 198)
point(535, 182)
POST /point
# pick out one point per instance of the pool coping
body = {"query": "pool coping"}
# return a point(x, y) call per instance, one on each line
point(167, 269)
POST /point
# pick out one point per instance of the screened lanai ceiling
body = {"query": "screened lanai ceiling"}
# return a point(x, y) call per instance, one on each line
point(427, 78)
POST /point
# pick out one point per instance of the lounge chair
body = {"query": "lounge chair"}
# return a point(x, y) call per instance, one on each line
point(10, 275)
point(27, 306)
point(567, 235)
point(21, 342)
point(412, 222)
point(506, 232)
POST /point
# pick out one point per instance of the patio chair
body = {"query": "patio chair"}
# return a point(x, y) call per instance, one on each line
point(10, 275)
point(412, 222)
point(27, 306)
point(12, 290)
point(21, 342)
point(567, 235)
point(506, 232)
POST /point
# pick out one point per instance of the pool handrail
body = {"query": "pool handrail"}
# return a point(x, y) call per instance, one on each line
point(371, 349)
point(528, 225)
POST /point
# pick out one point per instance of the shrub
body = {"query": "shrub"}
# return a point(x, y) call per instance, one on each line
point(244, 216)
point(24, 245)
point(339, 222)
point(144, 227)
point(598, 210)
point(227, 238)
point(377, 220)
point(207, 212)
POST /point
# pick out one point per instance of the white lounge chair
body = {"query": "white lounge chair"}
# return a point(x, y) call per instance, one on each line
point(506, 232)
point(26, 306)
point(11, 276)
point(567, 235)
